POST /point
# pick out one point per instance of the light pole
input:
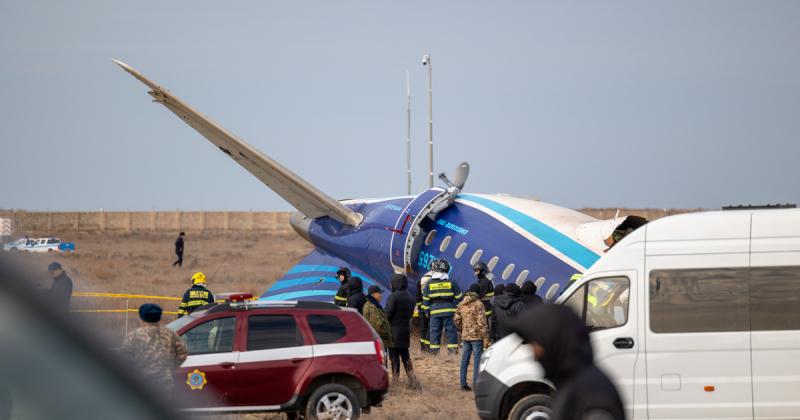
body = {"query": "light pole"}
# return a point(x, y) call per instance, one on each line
point(408, 130)
point(426, 61)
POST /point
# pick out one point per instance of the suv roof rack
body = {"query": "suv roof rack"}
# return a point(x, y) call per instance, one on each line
point(760, 206)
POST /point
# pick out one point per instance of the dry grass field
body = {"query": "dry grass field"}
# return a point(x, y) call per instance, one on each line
point(141, 263)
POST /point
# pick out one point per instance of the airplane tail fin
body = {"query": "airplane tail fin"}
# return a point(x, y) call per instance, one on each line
point(298, 192)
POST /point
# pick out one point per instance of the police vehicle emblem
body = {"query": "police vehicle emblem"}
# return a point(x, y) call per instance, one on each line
point(196, 380)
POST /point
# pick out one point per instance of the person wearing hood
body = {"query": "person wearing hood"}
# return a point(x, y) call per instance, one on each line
point(506, 307)
point(374, 314)
point(343, 275)
point(355, 293)
point(529, 296)
point(498, 291)
point(560, 343)
point(471, 321)
point(486, 292)
point(399, 311)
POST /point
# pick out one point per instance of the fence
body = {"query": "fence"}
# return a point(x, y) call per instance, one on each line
point(132, 221)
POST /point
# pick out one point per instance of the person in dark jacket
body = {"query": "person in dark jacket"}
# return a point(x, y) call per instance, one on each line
point(498, 291)
point(60, 291)
point(343, 275)
point(486, 286)
point(506, 307)
point(399, 311)
point(179, 250)
point(355, 293)
point(529, 296)
point(560, 343)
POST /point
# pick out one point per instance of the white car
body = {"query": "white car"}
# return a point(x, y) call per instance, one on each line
point(693, 317)
point(38, 245)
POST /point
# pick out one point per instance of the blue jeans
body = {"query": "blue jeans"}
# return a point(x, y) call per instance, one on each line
point(437, 324)
point(476, 348)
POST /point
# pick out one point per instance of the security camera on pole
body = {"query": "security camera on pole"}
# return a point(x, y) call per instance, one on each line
point(426, 61)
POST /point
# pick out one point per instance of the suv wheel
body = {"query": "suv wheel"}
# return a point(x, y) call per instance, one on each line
point(334, 402)
point(531, 407)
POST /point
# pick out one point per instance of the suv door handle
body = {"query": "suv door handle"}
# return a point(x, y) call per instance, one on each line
point(297, 360)
point(623, 343)
point(227, 365)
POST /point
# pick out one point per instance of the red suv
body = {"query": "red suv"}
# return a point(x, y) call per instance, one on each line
point(305, 358)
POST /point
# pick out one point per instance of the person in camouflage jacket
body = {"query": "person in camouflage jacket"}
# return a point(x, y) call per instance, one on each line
point(373, 313)
point(470, 319)
point(155, 350)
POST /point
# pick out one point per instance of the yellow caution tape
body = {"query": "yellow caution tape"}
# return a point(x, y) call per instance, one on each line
point(122, 296)
point(114, 311)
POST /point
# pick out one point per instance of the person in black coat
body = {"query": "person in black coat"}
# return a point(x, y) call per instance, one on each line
point(560, 343)
point(399, 311)
point(504, 309)
point(529, 296)
point(179, 250)
point(355, 293)
point(60, 291)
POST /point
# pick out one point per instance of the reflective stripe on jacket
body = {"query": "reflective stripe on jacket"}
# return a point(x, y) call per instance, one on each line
point(441, 296)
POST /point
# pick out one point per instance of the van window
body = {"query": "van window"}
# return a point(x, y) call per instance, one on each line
point(272, 332)
point(699, 300)
point(215, 336)
point(775, 298)
point(602, 303)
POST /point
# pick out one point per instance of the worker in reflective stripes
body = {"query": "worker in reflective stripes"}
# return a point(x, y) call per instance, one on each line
point(196, 296)
point(441, 295)
point(486, 286)
point(424, 317)
point(343, 275)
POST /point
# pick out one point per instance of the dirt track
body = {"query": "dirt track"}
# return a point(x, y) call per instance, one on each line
point(141, 263)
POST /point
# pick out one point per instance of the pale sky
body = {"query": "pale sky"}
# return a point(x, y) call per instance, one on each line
point(618, 104)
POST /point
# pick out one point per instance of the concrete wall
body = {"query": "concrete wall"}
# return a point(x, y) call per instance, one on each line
point(201, 221)
point(194, 221)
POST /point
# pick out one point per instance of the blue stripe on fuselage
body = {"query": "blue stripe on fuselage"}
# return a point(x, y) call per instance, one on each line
point(562, 243)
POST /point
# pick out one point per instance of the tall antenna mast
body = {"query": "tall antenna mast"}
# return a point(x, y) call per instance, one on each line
point(408, 130)
point(426, 61)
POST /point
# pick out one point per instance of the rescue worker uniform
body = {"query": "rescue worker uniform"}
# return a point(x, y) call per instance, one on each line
point(424, 317)
point(442, 294)
point(342, 294)
point(196, 296)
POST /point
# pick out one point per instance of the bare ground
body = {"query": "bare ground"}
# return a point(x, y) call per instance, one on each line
point(141, 263)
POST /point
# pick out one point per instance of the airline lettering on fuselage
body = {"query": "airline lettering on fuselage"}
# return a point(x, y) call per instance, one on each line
point(393, 207)
point(452, 226)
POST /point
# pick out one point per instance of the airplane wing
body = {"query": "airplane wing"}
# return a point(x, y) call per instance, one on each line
point(298, 192)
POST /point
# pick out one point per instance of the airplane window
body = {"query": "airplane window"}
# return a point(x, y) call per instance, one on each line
point(476, 257)
point(429, 238)
point(522, 277)
point(460, 250)
point(507, 272)
point(493, 262)
point(445, 243)
point(551, 291)
point(539, 282)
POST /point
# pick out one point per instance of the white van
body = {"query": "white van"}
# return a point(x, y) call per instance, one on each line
point(692, 316)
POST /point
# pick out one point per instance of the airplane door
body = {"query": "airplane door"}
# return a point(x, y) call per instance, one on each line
point(606, 306)
point(406, 229)
point(698, 335)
